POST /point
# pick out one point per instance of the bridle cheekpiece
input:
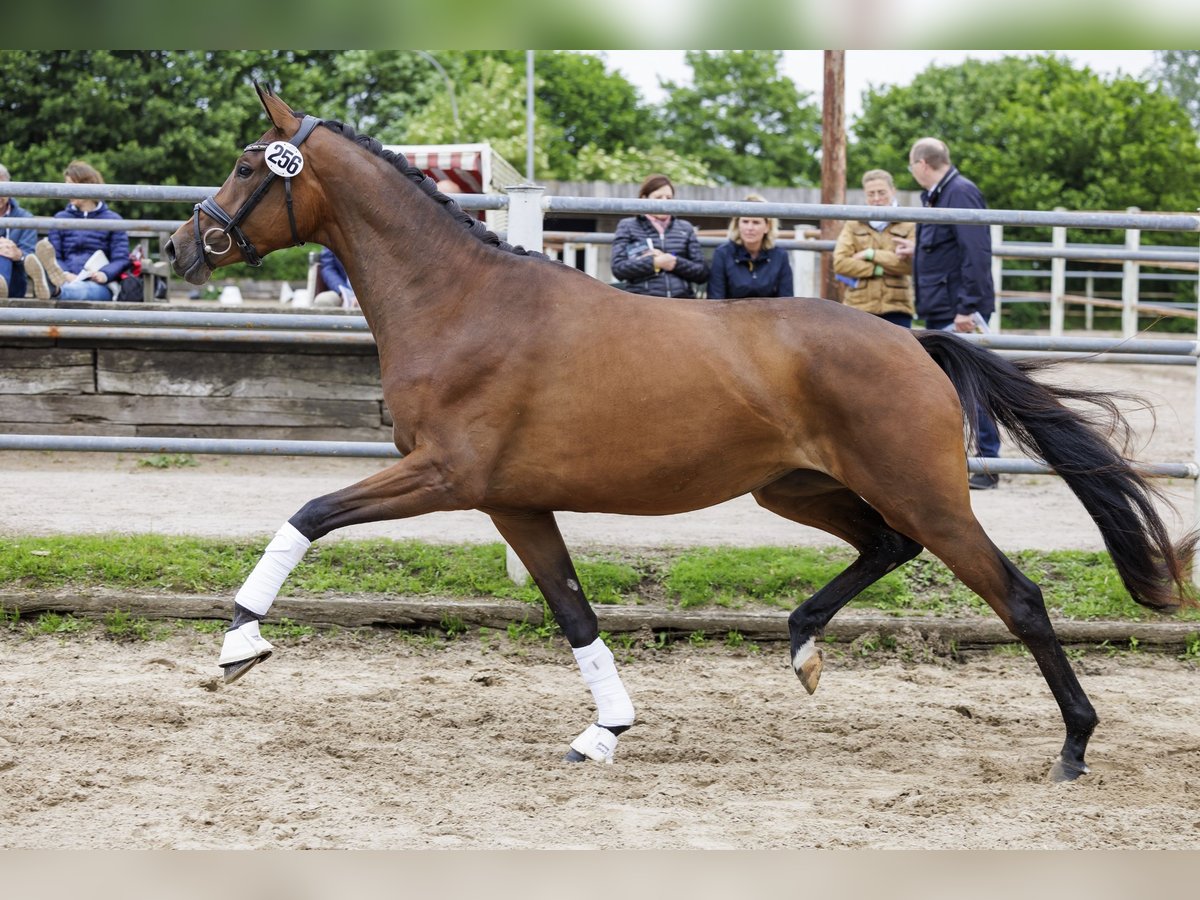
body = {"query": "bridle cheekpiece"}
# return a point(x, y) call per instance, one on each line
point(230, 226)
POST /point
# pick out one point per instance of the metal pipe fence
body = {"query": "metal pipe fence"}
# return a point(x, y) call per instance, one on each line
point(527, 207)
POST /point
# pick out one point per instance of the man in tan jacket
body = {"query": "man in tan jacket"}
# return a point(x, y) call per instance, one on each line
point(865, 261)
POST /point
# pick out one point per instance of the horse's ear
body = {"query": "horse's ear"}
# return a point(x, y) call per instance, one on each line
point(278, 112)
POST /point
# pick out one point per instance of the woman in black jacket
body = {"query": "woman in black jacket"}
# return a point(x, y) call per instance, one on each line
point(658, 255)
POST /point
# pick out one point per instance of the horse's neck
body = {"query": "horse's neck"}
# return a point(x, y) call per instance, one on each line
point(405, 257)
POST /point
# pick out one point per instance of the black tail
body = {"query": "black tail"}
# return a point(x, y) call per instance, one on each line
point(1084, 451)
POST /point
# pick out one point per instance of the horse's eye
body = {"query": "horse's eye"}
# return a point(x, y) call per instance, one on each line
point(244, 171)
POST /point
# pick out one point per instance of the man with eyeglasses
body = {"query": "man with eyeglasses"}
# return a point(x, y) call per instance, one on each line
point(952, 267)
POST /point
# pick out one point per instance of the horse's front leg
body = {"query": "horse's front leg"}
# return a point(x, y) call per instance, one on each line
point(537, 541)
point(411, 487)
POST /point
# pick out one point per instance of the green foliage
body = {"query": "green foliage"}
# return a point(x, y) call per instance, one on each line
point(168, 461)
point(54, 623)
point(121, 626)
point(735, 576)
point(631, 165)
point(285, 629)
point(491, 107)
point(1178, 74)
point(179, 117)
point(1078, 585)
point(744, 119)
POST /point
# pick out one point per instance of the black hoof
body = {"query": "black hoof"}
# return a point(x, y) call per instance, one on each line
point(1062, 770)
point(234, 671)
point(574, 755)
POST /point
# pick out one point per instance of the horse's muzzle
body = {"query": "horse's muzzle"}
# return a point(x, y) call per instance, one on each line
point(188, 265)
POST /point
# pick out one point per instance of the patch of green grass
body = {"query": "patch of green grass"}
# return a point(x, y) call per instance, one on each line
point(121, 626)
point(1076, 585)
point(1192, 647)
point(285, 628)
point(54, 623)
point(168, 461)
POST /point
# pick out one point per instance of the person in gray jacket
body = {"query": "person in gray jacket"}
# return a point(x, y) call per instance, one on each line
point(658, 255)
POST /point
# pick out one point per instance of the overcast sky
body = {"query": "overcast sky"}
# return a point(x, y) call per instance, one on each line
point(863, 67)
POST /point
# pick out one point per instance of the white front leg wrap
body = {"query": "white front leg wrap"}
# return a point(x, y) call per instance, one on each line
point(286, 549)
point(613, 706)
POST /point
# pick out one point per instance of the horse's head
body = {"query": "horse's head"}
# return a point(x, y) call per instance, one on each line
point(262, 196)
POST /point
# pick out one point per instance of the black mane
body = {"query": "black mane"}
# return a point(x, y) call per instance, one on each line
point(400, 162)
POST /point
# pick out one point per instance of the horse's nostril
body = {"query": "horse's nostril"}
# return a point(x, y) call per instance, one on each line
point(170, 250)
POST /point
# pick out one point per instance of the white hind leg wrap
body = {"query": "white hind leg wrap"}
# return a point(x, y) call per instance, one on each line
point(613, 706)
point(286, 549)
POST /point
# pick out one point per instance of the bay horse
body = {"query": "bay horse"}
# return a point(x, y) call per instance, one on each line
point(520, 386)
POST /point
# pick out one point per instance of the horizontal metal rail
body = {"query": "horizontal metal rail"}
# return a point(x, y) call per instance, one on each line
point(220, 446)
point(169, 318)
point(383, 450)
point(817, 211)
point(188, 335)
point(338, 321)
point(163, 193)
point(623, 206)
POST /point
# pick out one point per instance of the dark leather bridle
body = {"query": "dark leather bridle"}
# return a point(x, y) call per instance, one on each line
point(230, 226)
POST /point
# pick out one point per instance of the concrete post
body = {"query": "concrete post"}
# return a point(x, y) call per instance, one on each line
point(525, 230)
point(525, 215)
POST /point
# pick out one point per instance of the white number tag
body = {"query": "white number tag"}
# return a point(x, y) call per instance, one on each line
point(284, 159)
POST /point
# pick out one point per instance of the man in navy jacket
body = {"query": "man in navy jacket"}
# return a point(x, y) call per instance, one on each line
point(952, 265)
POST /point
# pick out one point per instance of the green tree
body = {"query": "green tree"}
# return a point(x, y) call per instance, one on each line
point(589, 105)
point(491, 107)
point(179, 117)
point(744, 119)
point(1036, 133)
point(1178, 72)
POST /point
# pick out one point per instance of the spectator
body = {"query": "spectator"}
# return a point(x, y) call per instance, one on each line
point(446, 186)
point(338, 291)
point(658, 255)
point(57, 266)
point(952, 267)
point(749, 264)
point(15, 245)
point(877, 280)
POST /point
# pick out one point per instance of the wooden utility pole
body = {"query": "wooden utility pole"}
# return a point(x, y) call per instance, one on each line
point(833, 158)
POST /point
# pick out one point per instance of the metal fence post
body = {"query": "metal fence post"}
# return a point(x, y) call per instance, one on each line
point(1089, 311)
point(997, 233)
point(1129, 282)
point(1058, 280)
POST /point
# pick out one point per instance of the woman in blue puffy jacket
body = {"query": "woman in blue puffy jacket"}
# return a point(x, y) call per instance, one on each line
point(749, 264)
point(55, 267)
point(658, 255)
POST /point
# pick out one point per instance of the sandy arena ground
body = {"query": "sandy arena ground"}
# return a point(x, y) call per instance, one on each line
point(383, 741)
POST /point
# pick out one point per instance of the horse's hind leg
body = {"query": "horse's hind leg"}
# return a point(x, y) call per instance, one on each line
point(812, 498)
point(536, 539)
point(943, 521)
point(410, 487)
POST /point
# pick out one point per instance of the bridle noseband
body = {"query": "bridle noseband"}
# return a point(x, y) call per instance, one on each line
point(230, 226)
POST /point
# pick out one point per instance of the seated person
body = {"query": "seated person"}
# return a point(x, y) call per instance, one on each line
point(338, 291)
point(56, 267)
point(15, 245)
